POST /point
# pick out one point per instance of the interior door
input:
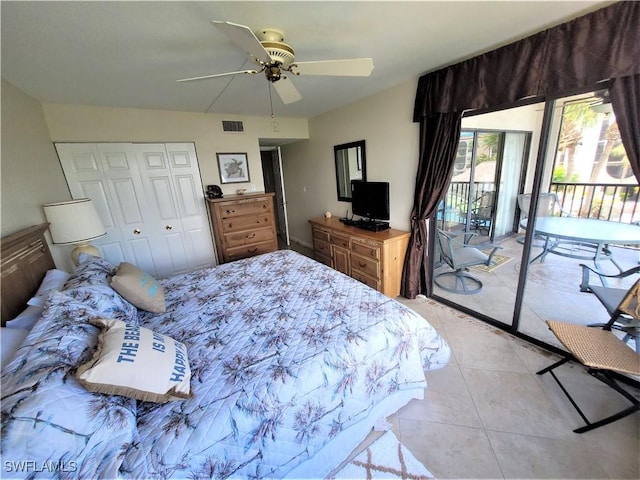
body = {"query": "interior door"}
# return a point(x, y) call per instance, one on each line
point(154, 214)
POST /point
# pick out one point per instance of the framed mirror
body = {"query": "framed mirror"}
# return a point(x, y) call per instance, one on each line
point(351, 164)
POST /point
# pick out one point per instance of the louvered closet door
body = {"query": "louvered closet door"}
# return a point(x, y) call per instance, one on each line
point(135, 192)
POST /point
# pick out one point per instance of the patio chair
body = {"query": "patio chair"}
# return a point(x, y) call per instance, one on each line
point(460, 257)
point(548, 206)
point(481, 211)
point(623, 315)
point(604, 355)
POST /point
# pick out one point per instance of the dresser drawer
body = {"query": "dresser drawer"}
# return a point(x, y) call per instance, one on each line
point(322, 235)
point(246, 237)
point(366, 266)
point(249, 208)
point(321, 248)
point(249, 251)
point(340, 240)
point(365, 250)
point(370, 282)
point(246, 222)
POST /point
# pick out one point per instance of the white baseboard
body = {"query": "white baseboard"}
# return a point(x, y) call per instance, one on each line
point(301, 242)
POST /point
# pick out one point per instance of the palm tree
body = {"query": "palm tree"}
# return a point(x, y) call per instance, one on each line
point(575, 118)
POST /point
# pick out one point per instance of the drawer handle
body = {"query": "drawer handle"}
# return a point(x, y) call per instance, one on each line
point(253, 250)
point(251, 235)
point(362, 265)
point(230, 211)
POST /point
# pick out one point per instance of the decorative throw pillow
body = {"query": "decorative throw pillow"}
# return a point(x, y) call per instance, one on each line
point(139, 288)
point(136, 362)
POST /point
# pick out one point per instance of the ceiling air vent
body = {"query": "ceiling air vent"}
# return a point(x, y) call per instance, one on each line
point(232, 126)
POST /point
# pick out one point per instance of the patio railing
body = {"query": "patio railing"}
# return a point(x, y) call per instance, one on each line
point(606, 201)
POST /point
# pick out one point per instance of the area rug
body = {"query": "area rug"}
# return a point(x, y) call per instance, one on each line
point(496, 261)
point(384, 458)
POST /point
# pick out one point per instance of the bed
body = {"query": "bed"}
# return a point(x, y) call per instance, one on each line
point(292, 363)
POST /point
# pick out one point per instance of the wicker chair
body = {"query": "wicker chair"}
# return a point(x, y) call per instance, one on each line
point(604, 355)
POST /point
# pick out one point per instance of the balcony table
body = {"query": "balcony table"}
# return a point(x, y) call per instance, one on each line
point(594, 234)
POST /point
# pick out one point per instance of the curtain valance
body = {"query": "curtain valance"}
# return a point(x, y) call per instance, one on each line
point(601, 45)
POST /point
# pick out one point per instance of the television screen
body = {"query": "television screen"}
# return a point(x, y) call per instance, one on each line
point(370, 199)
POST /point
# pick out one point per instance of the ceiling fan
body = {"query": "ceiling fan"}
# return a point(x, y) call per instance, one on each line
point(274, 57)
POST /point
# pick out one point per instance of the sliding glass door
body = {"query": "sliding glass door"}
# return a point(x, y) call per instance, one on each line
point(520, 173)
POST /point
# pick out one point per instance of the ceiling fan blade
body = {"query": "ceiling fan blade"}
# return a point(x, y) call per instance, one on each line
point(204, 77)
point(355, 67)
point(287, 90)
point(242, 36)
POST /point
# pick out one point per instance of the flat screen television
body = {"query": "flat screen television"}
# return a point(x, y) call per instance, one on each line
point(370, 199)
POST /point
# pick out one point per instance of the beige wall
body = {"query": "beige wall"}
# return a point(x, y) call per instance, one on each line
point(74, 123)
point(384, 121)
point(31, 173)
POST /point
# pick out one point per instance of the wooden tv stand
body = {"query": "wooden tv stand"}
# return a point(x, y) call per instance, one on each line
point(374, 258)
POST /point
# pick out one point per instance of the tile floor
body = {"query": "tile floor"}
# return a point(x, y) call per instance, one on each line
point(488, 415)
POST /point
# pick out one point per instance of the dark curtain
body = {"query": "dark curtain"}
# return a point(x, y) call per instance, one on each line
point(625, 100)
point(439, 136)
point(602, 45)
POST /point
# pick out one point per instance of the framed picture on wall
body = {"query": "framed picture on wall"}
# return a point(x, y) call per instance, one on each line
point(233, 167)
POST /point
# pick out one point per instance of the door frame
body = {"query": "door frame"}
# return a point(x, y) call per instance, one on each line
point(275, 164)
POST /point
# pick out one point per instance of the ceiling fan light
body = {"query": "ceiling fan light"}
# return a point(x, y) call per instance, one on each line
point(273, 73)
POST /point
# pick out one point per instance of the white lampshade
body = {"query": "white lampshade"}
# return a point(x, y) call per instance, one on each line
point(74, 222)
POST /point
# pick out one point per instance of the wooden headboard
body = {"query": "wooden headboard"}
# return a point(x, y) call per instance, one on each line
point(25, 259)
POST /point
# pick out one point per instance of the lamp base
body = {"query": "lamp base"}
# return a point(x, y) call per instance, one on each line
point(86, 248)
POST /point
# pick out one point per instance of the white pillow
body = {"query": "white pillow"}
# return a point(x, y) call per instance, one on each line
point(136, 362)
point(27, 318)
point(53, 280)
point(10, 339)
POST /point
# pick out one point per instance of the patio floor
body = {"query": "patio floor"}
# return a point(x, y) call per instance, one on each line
point(551, 293)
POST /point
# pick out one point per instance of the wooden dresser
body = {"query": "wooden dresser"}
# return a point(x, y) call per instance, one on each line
point(243, 225)
point(374, 258)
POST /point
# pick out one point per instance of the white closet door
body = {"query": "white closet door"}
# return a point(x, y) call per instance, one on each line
point(171, 180)
point(138, 199)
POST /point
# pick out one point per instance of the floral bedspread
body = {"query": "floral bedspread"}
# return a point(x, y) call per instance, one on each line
point(292, 363)
point(286, 354)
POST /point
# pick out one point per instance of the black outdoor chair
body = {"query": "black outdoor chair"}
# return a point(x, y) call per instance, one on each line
point(460, 257)
point(481, 212)
point(611, 299)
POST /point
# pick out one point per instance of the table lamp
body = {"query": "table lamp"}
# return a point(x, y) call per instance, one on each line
point(75, 222)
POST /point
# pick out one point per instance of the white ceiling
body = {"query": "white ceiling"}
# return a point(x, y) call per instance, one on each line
point(130, 54)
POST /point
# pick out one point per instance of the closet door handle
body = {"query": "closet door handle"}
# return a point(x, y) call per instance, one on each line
point(137, 231)
point(168, 227)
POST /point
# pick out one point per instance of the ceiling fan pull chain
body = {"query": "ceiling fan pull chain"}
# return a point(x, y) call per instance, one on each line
point(271, 100)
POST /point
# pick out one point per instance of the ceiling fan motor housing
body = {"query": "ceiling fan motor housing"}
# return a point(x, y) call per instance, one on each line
point(280, 52)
